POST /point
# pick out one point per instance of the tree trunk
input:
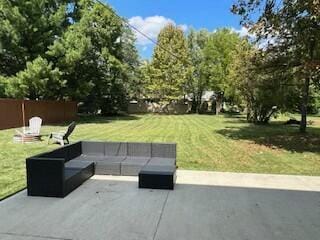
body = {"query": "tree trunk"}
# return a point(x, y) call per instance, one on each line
point(306, 90)
point(219, 102)
point(218, 107)
point(198, 102)
point(194, 106)
point(304, 105)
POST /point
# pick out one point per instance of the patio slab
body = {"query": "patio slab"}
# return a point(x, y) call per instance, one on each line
point(204, 205)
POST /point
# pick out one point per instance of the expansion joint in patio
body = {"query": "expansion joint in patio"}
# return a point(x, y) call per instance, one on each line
point(34, 236)
point(160, 217)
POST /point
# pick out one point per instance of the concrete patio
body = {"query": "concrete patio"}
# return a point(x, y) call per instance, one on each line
point(204, 205)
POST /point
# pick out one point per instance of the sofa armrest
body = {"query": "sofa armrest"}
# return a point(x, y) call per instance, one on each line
point(74, 150)
point(45, 176)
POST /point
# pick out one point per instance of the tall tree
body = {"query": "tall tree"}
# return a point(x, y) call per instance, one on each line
point(132, 64)
point(169, 64)
point(218, 54)
point(289, 32)
point(197, 81)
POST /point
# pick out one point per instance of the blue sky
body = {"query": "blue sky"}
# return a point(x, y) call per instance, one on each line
point(151, 15)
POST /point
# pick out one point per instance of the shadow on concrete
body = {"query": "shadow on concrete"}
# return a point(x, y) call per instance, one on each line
point(189, 212)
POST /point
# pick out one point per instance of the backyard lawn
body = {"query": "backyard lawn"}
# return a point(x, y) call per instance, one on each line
point(223, 143)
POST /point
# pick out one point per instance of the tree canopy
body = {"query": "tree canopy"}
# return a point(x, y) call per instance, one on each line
point(289, 33)
point(168, 68)
point(82, 50)
point(76, 50)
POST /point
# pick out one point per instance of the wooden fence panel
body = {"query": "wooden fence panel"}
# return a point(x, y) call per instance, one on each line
point(12, 112)
point(70, 111)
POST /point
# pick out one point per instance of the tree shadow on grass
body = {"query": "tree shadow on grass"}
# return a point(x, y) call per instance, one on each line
point(276, 136)
point(97, 120)
point(234, 115)
point(234, 118)
point(236, 121)
point(102, 119)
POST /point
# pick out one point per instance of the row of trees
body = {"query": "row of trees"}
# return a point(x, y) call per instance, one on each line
point(276, 69)
point(191, 64)
point(81, 50)
point(66, 49)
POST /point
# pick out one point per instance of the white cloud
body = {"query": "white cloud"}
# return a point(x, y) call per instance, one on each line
point(244, 32)
point(151, 26)
point(184, 27)
point(262, 44)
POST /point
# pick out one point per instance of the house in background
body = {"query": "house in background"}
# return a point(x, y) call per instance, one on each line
point(181, 106)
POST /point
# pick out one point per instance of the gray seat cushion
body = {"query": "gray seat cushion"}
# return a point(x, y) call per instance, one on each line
point(155, 161)
point(93, 148)
point(110, 165)
point(77, 164)
point(164, 150)
point(89, 158)
point(108, 168)
point(139, 150)
point(114, 159)
point(104, 165)
point(131, 166)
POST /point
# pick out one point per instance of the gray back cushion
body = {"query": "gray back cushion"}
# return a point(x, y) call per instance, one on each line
point(93, 148)
point(115, 148)
point(164, 150)
point(139, 149)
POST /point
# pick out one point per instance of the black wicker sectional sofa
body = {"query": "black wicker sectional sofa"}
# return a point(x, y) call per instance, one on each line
point(57, 173)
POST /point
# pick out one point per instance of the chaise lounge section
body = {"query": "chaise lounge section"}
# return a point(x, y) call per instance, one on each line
point(57, 173)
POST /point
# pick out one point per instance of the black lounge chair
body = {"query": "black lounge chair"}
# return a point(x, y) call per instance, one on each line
point(62, 137)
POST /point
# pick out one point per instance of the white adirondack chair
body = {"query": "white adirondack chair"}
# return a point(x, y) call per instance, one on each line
point(34, 127)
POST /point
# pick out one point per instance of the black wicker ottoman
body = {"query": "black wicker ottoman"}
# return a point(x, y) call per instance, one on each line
point(157, 177)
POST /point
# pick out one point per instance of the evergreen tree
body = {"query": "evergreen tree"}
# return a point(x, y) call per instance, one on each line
point(27, 28)
point(169, 65)
point(40, 80)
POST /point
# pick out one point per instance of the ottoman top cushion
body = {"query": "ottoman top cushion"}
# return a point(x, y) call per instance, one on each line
point(158, 170)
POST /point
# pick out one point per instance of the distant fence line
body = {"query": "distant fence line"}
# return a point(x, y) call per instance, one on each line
point(16, 113)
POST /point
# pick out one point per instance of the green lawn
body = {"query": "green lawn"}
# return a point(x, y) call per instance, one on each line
point(224, 143)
